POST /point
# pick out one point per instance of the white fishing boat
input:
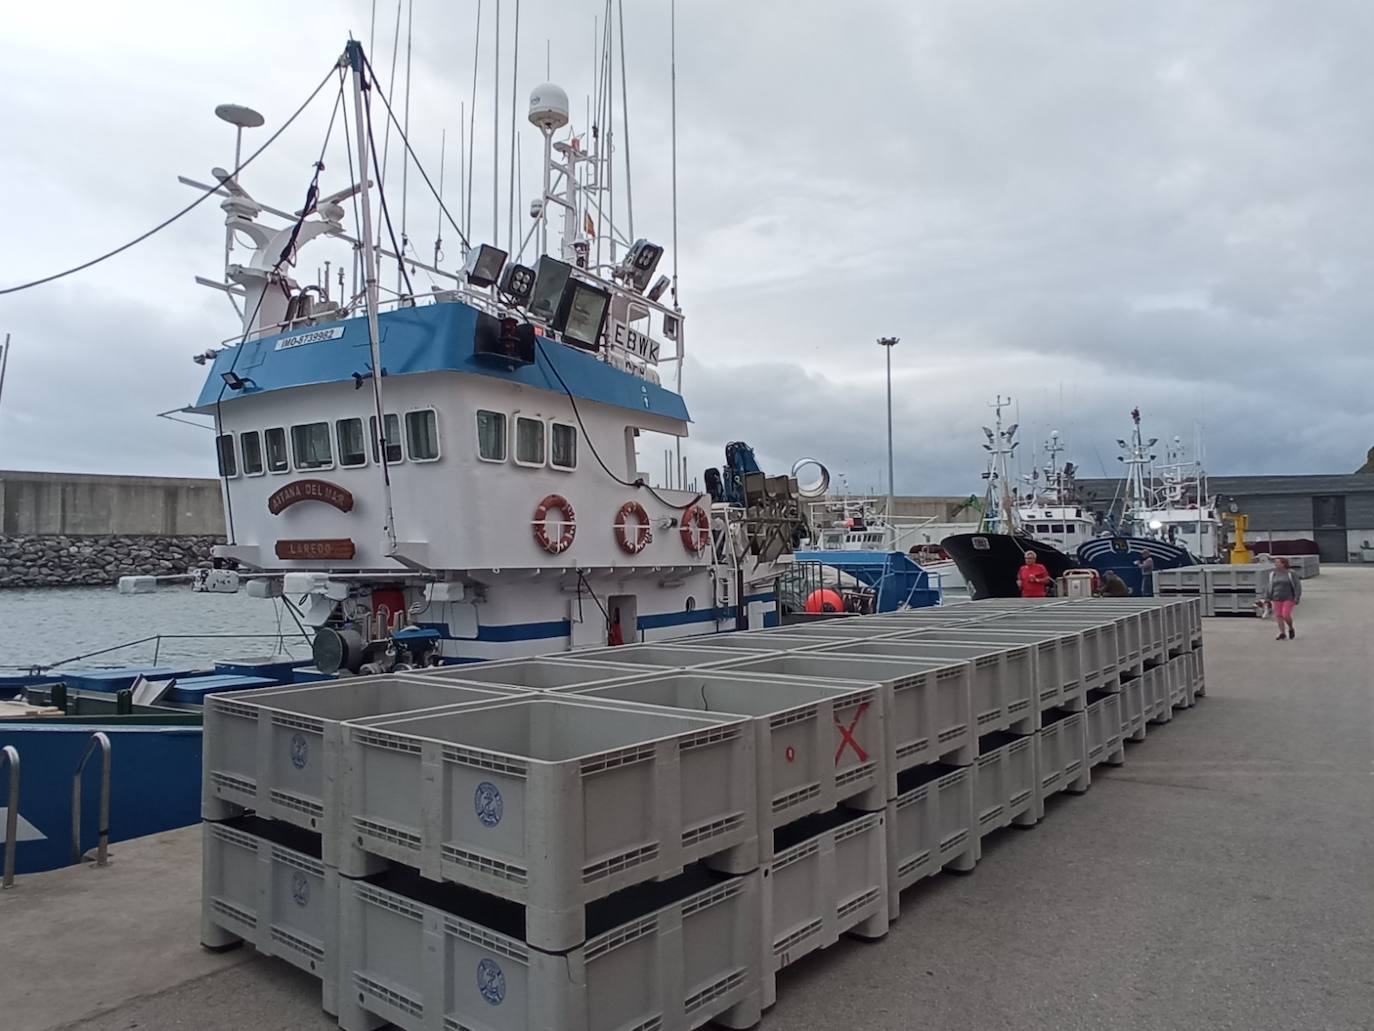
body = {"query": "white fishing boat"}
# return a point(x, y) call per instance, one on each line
point(457, 474)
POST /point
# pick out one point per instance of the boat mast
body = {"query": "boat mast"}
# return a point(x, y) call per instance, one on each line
point(1136, 458)
point(1000, 445)
point(354, 56)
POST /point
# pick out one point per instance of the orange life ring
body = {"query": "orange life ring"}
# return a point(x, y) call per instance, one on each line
point(568, 522)
point(696, 530)
point(643, 532)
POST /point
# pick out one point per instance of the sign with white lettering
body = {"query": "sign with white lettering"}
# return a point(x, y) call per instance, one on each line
point(641, 345)
point(313, 337)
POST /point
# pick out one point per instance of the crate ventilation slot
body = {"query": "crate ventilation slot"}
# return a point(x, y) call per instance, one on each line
point(391, 742)
point(483, 939)
point(711, 992)
point(620, 936)
point(297, 944)
point(619, 758)
point(296, 803)
point(388, 995)
point(511, 872)
point(714, 829)
point(227, 782)
point(789, 941)
point(232, 912)
point(803, 794)
point(295, 722)
point(857, 903)
point(626, 860)
point(386, 832)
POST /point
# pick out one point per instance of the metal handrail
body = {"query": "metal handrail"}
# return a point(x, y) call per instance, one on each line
point(11, 815)
point(102, 850)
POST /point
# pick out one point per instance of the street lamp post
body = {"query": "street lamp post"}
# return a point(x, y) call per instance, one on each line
point(887, 344)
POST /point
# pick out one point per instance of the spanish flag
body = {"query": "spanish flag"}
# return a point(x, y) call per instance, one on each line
point(588, 224)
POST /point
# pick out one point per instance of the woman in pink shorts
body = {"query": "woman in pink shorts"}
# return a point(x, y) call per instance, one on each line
point(1285, 591)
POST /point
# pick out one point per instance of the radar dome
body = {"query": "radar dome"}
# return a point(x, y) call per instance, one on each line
point(548, 107)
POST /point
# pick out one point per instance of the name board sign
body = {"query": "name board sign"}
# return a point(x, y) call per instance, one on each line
point(310, 490)
point(313, 337)
point(641, 345)
point(316, 548)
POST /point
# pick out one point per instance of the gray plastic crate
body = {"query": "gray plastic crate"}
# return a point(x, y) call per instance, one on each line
point(672, 956)
point(1134, 712)
point(1185, 580)
point(1100, 651)
point(1148, 617)
point(281, 900)
point(1178, 671)
point(550, 800)
point(1058, 657)
point(539, 673)
point(1062, 759)
point(276, 751)
point(664, 655)
point(1003, 675)
point(1244, 580)
point(1196, 673)
point(929, 828)
point(1006, 787)
point(828, 878)
point(1103, 720)
point(818, 742)
point(1158, 708)
point(928, 708)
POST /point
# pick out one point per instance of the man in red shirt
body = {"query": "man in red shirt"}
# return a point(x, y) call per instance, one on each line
point(1032, 577)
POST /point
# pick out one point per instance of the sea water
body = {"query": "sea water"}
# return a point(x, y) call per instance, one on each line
point(44, 626)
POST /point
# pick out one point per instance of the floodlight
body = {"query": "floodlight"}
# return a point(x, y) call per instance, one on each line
point(582, 313)
point(550, 278)
point(640, 263)
point(234, 381)
point(656, 291)
point(1155, 524)
point(517, 283)
point(483, 265)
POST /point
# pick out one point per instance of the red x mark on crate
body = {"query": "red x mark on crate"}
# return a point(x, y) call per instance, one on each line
point(847, 736)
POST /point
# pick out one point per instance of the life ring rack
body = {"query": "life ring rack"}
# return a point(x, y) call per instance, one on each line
point(555, 502)
point(643, 531)
point(696, 530)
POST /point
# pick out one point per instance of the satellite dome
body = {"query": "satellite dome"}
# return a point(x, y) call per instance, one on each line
point(548, 107)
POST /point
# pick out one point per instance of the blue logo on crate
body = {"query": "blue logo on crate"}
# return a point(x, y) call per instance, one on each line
point(300, 751)
point(491, 982)
point(300, 889)
point(486, 802)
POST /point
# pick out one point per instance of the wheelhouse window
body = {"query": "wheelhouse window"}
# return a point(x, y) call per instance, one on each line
point(562, 446)
point(1057, 528)
point(491, 436)
point(394, 452)
point(310, 446)
point(275, 439)
point(224, 446)
point(422, 435)
point(352, 447)
point(251, 445)
point(529, 441)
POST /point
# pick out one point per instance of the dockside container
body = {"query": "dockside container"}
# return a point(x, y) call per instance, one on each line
point(1105, 729)
point(551, 800)
point(930, 827)
point(1063, 753)
point(1006, 783)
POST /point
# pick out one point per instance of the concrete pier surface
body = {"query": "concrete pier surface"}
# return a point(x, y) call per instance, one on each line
point(1223, 878)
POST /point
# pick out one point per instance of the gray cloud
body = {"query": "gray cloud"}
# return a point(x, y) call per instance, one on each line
point(1112, 203)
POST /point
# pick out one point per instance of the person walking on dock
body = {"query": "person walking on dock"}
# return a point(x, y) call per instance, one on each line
point(1285, 591)
point(1033, 578)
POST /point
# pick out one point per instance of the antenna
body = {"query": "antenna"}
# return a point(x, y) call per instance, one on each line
point(496, 132)
point(439, 233)
point(405, 154)
point(472, 118)
point(514, 86)
point(625, 119)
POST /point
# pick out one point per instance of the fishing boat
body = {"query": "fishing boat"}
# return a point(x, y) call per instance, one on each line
point(989, 557)
point(452, 475)
point(1157, 525)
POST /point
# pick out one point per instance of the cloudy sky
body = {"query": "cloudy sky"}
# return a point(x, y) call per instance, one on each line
point(1084, 205)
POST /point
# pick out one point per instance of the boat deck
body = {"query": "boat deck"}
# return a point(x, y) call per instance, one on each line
point(1222, 878)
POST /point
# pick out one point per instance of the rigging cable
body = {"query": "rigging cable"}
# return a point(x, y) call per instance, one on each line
point(636, 484)
point(381, 197)
point(376, 88)
point(184, 211)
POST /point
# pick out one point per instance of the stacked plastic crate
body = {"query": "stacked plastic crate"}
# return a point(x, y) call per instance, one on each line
point(824, 738)
point(643, 837)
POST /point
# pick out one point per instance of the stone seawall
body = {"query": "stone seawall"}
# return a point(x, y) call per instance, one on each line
point(57, 560)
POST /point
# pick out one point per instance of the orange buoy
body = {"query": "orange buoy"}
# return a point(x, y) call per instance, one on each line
point(824, 600)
